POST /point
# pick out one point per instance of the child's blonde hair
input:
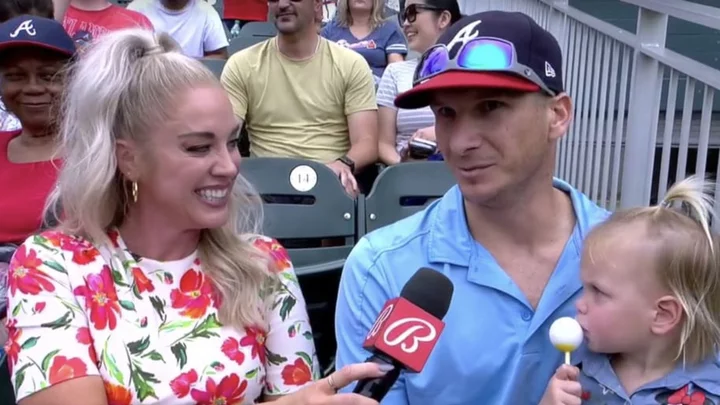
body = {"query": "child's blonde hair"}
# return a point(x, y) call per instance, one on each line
point(687, 262)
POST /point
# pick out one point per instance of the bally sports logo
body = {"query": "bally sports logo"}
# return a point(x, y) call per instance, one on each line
point(404, 332)
point(417, 326)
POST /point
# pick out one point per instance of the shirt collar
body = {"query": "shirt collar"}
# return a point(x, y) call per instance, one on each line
point(704, 374)
point(450, 240)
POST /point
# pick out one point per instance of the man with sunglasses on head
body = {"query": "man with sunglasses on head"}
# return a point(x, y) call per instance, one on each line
point(508, 235)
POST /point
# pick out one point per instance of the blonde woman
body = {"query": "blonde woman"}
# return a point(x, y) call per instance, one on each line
point(650, 307)
point(359, 25)
point(152, 289)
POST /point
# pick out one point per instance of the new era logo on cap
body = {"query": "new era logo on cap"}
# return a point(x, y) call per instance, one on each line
point(32, 31)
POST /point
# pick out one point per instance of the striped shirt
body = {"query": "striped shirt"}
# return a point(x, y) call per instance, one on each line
point(398, 79)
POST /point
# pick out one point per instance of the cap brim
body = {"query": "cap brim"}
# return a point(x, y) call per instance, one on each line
point(32, 44)
point(420, 95)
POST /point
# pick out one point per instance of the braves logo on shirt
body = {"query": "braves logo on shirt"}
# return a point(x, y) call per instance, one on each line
point(358, 45)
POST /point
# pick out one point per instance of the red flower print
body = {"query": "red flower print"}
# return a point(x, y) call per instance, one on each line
point(683, 397)
point(63, 369)
point(39, 307)
point(193, 294)
point(181, 384)
point(12, 345)
point(83, 337)
point(297, 373)
point(114, 235)
point(279, 257)
point(117, 394)
point(143, 283)
point(255, 338)
point(82, 251)
point(231, 349)
point(100, 299)
point(229, 391)
point(24, 274)
point(585, 396)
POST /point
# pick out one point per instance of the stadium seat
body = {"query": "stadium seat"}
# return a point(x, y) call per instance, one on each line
point(304, 200)
point(215, 65)
point(402, 190)
point(258, 29)
point(242, 42)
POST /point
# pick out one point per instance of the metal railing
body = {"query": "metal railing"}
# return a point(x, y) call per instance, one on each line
point(638, 121)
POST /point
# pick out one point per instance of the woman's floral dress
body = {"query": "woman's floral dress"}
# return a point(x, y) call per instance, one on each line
point(149, 329)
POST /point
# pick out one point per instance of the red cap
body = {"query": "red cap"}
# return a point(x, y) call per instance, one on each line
point(419, 95)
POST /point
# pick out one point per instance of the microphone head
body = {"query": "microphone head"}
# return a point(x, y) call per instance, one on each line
point(430, 290)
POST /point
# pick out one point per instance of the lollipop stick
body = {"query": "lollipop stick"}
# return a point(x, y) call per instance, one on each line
point(567, 358)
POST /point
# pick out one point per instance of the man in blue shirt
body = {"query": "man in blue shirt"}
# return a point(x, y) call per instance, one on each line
point(509, 235)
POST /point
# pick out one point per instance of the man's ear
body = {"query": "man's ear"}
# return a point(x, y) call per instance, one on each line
point(127, 156)
point(561, 114)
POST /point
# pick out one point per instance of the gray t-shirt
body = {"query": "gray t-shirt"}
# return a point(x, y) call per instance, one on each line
point(375, 47)
point(398, 79)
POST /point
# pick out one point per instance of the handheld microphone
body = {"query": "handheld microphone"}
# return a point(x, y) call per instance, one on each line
point(406, 330)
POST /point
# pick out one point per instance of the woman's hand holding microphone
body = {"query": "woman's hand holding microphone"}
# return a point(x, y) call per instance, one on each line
point(324, 391)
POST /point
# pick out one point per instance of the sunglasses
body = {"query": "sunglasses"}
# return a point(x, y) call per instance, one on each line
point(482, 54)
point(411, 12)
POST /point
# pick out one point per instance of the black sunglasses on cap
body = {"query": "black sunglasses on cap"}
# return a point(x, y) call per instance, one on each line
point(411, 12)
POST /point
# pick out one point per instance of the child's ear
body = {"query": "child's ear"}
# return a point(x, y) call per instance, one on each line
point(668, 314)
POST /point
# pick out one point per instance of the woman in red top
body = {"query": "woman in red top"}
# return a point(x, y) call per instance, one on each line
point(33, 53)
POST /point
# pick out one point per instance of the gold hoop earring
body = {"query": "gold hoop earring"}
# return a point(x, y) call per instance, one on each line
point(134, 191)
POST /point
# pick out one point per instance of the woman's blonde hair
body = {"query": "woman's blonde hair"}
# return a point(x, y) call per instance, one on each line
point(122, 86)
point(688, 260)
point(343, 17)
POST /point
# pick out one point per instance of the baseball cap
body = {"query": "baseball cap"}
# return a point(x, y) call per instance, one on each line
point(27, 31)
point(534, 52)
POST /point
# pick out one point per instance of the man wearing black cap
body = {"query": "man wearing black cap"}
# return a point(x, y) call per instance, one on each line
point(508, 235)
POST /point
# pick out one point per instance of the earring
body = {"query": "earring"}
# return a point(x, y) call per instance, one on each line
point(134, 191)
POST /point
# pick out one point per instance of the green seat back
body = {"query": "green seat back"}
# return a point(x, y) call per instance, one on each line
point(258, 29)
point(404, 189)
point(242, 42)
point(215, 65)
point(320, 209)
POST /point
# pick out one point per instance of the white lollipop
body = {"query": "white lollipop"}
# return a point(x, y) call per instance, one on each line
point(566, 335)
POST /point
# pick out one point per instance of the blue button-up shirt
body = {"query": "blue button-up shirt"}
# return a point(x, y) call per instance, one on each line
point(495, 348)
point(691, 385)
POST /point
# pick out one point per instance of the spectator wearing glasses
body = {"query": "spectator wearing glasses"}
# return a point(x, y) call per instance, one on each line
point(423, 22)
point(301, 95)
point(155, 287)
point(508, 235)
point(359, 25)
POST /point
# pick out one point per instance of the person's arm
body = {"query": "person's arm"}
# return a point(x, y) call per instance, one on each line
point(396, 48)
point(49, 353)
point(361, 112)
point(363, 291)
point(290, 359)
point(387, 117)
point(233, 80)
point(215, 42)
